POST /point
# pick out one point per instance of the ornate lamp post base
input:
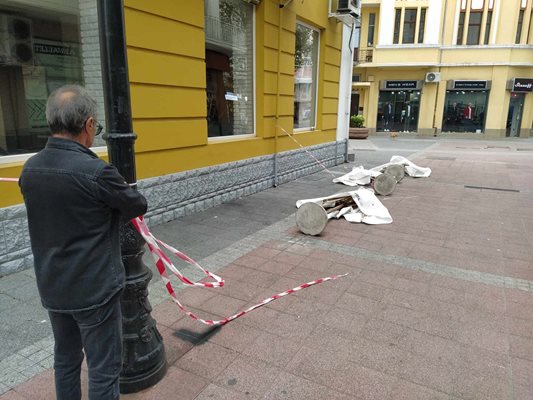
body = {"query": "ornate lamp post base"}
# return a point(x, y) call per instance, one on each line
point(143, 359)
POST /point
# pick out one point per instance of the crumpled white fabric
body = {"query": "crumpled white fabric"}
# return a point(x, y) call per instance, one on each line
point(357, 177)
point(370, 210)
point(360, 176)
point(411, 168)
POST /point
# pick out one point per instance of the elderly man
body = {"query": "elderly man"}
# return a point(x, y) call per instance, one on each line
point(74, 202)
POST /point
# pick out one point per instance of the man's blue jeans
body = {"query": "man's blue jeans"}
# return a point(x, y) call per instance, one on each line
point(99, 333)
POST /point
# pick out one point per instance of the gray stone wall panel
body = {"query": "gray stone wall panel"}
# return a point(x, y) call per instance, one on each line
point(176, 195)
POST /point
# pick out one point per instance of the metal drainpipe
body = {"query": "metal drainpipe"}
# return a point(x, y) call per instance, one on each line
point(439, 67)
point(143, 360)
point(276, 182)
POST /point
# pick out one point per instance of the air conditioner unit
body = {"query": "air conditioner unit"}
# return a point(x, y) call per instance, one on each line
point(432, 77)
point(352, 7)
point(16, 40)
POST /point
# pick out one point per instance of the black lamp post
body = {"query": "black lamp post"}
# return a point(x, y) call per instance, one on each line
point(143, 362)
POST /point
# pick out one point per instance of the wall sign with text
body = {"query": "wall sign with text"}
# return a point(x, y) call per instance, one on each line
point(520, 85)
point(468, 85)
point(400, 85)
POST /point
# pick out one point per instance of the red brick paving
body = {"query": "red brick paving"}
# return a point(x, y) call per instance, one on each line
point(383, 332)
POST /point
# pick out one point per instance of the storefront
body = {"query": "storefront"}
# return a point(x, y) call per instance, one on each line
point(465, 105)
point(398, 105)
point(519, 87)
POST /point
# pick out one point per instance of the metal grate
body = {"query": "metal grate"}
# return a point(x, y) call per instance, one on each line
point(441, 158)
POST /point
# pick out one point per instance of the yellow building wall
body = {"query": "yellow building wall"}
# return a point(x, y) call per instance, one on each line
point(166, 55)
point(168, 101)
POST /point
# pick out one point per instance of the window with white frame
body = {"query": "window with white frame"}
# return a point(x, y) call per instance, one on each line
point(229, 51)
point(475, 19)
point(409, 25)
point(305, 76)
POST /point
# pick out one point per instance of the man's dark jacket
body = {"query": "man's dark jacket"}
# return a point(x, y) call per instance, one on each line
point(74, 201)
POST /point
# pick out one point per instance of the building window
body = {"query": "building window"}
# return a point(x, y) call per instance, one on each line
point(305, 76)
point(397, 22)
point(461, 28)
point(409, 16)
point(521, 30)
point(40, 50)
point(519, 26)
point(487, 27)
point(409, 25)
point(422, 25)
point(474, 28)
point(472, 21)
point(229, 67)
point(371, 28)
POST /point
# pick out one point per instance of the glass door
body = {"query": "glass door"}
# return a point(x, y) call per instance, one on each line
point(514, 115)
point(398, 111)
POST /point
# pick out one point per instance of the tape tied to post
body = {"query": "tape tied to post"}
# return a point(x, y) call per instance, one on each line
point(163, 262)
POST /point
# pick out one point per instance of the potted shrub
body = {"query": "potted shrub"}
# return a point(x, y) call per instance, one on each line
point(357, 128)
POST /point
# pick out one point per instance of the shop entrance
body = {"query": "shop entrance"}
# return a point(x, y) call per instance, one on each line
point(398, 110)
point(514, 115)
point(464, 111)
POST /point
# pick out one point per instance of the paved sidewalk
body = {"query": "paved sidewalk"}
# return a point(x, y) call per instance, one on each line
point(437, 305)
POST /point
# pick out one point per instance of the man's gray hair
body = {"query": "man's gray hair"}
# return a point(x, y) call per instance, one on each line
point(68, 108)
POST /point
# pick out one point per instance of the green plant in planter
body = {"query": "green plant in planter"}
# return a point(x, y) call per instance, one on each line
point(357, 121)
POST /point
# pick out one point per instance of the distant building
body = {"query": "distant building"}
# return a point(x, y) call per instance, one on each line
point(432, 66)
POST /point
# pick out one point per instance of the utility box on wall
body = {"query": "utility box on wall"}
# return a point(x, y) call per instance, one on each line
point(347, 11)
point(16, 40)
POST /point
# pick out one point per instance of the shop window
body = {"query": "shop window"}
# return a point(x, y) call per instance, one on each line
point(229, 67)
point(40, 51)
point(305, 76)
point(413, 20)
point(398, 110)
point(464, 111)
point(472, 22)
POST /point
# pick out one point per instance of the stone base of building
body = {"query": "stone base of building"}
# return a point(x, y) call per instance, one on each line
point(176, 195)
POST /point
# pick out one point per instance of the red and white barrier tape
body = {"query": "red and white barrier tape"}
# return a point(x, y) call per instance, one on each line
point(162, 262)
point(306, 151)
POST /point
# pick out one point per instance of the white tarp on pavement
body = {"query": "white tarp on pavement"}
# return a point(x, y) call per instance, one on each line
point(360, 176)
point(411, 168)
point(370, 210)
point(357, 177)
